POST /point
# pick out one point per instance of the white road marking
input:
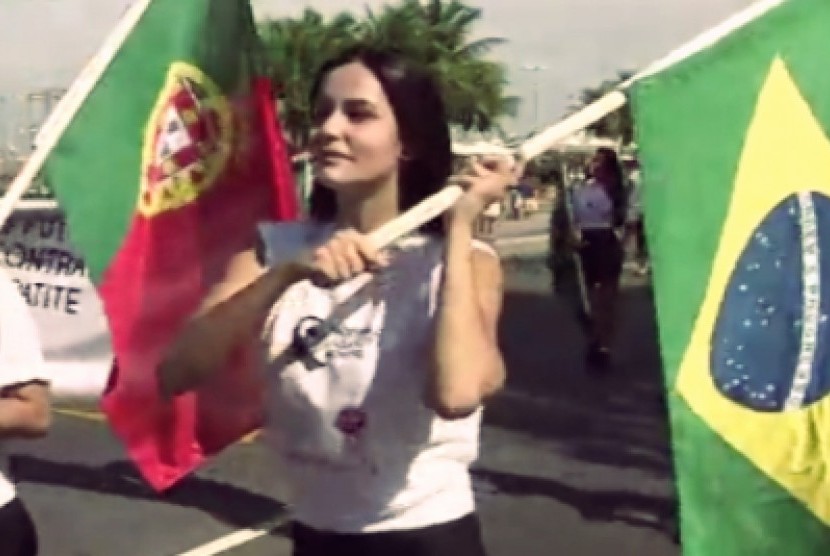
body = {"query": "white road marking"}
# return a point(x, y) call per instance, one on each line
point(238, 538)
point(521, 239)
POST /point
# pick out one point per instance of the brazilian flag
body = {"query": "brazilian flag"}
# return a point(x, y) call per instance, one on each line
point(735, 151)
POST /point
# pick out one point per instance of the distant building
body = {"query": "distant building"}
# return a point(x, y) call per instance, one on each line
point(21, 119)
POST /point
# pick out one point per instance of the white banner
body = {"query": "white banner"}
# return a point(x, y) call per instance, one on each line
point(55, 285)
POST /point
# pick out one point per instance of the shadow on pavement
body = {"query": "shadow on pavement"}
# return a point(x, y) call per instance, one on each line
point(635, 509)
point(618, 418)
point(615, 418)
point(230, 504)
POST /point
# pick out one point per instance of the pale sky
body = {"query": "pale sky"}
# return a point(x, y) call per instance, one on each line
point(44, 43)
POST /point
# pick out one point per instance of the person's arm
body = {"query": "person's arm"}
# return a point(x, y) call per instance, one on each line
point(25, 410)
point(467, 364)
point(24, 390)
point(229, 316)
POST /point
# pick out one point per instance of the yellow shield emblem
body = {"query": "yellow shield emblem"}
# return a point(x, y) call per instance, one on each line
point(187, 143)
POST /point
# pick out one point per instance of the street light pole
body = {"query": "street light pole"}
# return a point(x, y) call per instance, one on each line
point(535, 68)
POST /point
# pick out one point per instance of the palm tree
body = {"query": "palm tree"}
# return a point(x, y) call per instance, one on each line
point(295, 49)
point(435, 33)
point(617, 125)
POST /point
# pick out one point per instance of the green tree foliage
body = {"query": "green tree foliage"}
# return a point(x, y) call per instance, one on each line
point(617, 125)
point(436, 33)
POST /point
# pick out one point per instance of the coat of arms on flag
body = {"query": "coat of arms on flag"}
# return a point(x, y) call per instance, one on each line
point(159, 220)
point(188, 142)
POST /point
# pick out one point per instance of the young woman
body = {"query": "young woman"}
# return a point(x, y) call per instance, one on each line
point(374, 395)
point(599, 210)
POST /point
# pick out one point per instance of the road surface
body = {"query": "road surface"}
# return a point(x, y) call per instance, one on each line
point(571, 463)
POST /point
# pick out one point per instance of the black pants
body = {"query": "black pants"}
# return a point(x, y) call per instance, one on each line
point(602, 257)
point(17, 531)
point(456, 538)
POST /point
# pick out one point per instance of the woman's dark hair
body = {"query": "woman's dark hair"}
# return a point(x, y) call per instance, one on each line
point(419, 112)
point(612, 178)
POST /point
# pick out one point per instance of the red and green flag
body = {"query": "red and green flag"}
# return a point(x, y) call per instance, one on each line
point(163, 174)
point(735, 150)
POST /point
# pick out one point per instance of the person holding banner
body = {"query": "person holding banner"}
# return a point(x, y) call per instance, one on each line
point(375, 387)
point(24, 410)
point(599, 212)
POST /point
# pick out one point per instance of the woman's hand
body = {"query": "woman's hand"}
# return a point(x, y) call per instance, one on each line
point(484, 181)
point(346, 255)
point(576, 239)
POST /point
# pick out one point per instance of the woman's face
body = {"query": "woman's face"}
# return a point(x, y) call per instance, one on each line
point(355, 143)
point(595, 165)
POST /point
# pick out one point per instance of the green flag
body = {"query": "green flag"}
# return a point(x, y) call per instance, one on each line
point(735, 152)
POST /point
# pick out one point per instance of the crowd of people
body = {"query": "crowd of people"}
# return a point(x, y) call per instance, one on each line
point(520, 202)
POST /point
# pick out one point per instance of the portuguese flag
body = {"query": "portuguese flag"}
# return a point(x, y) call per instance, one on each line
point(163, 175)
point(735, 149)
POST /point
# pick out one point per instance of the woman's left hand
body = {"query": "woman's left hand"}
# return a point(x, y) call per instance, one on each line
point(485, 181)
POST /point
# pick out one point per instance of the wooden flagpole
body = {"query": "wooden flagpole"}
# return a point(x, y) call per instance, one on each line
point(68, 107)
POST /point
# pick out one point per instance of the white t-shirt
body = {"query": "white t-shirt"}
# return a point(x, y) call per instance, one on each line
point(361, 450)
point(21, 359)
point(592, 207)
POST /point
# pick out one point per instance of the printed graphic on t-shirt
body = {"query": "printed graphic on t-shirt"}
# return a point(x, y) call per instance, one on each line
point(324, 414)
point(351, 421)
point(351, 342)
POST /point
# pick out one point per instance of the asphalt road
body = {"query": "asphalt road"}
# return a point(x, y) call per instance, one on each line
point(571, 463)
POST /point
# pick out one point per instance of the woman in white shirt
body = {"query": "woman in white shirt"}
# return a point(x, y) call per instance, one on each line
point(24, 410)
point(599, 209)
point(375, 395)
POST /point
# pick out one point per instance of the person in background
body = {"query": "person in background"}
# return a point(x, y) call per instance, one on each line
point(531, 200)
point(526, 197)
point(489, 218)
point(599, 213)
point(635, 228)
point(514, 203)
point(24, 410)
point(374, 411)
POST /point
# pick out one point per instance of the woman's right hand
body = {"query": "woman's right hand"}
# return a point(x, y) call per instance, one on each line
point(346, 255)
point(576, 239)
